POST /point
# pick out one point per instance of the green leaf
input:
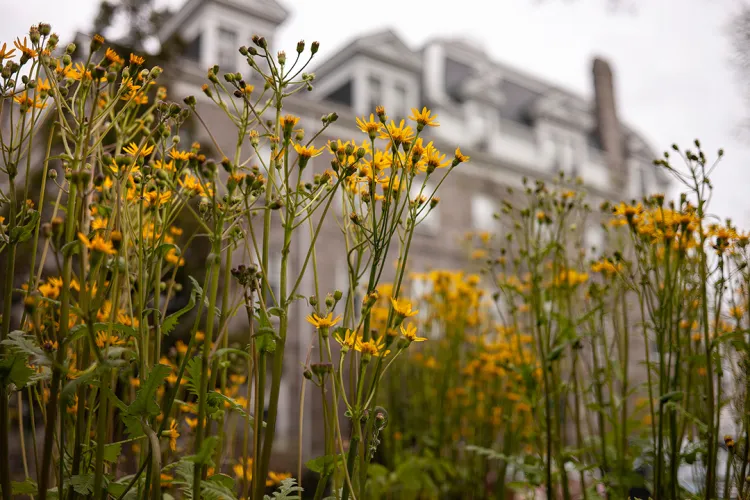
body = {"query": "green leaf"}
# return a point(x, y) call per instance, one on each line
point(287, 489)
point(145, 399)
point(230, 350)
point(324, 465)
point(193, 375)
point(223, 480)
point(170, 322)
point(14, 370)
point(83, 483)
point(27, 487)
point(671, 396)
point(112, 451)
point(19, 234)
point(203, 457)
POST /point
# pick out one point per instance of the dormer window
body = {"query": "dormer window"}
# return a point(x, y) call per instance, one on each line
point(227, 50)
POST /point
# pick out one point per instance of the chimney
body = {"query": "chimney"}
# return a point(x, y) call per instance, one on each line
point(607, 125)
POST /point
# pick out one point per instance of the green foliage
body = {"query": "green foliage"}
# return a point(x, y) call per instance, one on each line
point(287, 489)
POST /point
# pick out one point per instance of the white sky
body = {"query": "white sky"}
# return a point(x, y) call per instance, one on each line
point(671, 58)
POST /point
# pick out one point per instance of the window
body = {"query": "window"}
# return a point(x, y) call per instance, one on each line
point(375, 94)
point(401, 106)
point(428, 219)
point(227, 50)
point(483, 213)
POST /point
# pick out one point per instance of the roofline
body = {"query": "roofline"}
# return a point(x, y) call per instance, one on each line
point(187, 10)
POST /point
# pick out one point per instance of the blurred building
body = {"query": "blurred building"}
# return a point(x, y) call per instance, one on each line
point(512, 124)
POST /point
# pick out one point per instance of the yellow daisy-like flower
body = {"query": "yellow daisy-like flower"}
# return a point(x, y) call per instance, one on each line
point(402, 307)
point(103, 339)
point(275, 478)
point(173, 435)
point(138, 60)
point(27, 102)
point(307, 151)
point(323, 322)
point(410, 333)
point(98, 224)
point(397, 133)
point(6, 53)
point(133, 150)
point(113, 57)
point(192, 185)
point(24, 49)
point(423, 118)
point(347, 340)
point(370, 127)
point(460, 157)
point(289, 121)
point(244, 470)
point(179, 155)
point(97, 244)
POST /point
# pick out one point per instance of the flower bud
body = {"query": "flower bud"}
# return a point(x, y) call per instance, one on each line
point(314, 47)
point(69, 50)
point(300, 46)
point(96, 43)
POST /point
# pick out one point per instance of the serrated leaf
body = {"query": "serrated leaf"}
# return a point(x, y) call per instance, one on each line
point(27, 487)
point(170, 322)
point(145, 399)
point(203, 457)
point(193, 375)
point(112, 451)
point(83, 483)
point(14, 370)
point(324, 464)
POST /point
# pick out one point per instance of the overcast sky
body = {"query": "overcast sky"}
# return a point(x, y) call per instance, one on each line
point(671, 58)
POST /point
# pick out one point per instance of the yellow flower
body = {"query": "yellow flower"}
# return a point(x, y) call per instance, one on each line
point(423, 118)
point(173, 258)
point(103, 339)
point(24, 48)
point(459, 157)
point(244, 470)
point(410, 333)
point(193, 186)
point(6, 53)
point(179, 155)
point(27, 102)
point(99, 223)
point(49, 291)
point(166, 480)
point(402, 307)
point(349, 339)
point(289, 121)
point(173, 435)
point(276, 477)
point(397, 133)
point(370, 127)
point(138, 60)
point(113, 57)
point(307, 151)
point(97, 244)
point(133, 150)
point(323, 322)
point(435, 159)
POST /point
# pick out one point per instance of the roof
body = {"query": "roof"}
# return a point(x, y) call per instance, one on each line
point(269, 10)
point(383, 45)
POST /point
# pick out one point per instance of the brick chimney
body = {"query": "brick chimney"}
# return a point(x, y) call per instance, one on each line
point(607, 124)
